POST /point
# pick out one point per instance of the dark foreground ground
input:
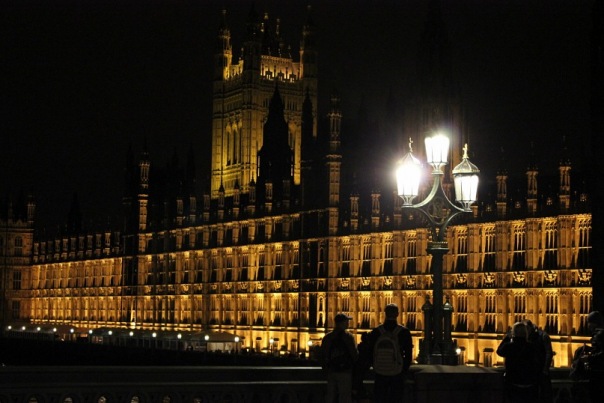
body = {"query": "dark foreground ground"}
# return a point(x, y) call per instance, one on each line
point(33, 352)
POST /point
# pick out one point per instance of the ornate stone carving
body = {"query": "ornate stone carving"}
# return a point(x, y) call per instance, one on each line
point(489, 280)
point(584, 277)
point(519, 277)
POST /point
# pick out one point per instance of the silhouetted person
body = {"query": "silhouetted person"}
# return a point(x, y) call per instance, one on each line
point(543, 343)
point(522, 369)
point(593, 357)
point(361, 368)
point(391, 348)
point(339, 353)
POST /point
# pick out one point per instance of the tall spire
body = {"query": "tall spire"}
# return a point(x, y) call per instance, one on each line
point(275, 156)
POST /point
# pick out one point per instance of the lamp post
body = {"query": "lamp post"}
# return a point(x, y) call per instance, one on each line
point(439, 211)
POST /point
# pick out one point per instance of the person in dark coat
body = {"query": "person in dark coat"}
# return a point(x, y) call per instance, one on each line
point(541, 340)
point(595, 357)
point(339, 352)
point(389, 388)
point(522, 369)
point(361, 367)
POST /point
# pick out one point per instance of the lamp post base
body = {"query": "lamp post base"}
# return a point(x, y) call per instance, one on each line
point(442, 353)
point(424, 352)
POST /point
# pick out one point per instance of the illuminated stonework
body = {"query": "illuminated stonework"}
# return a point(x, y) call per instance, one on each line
point(290, 289)
point(241, 93)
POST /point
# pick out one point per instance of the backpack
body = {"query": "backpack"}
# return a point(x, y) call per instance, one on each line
point(338, 356)
point(387, 358)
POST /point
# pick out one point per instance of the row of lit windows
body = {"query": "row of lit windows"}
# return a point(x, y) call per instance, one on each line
point(80, 243)
point(282, 309)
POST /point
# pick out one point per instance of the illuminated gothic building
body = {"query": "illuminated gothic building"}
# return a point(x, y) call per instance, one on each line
point(242, 90)
point(278, 243)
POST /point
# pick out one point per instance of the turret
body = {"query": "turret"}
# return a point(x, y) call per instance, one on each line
point(354, 205)
point(252, 46)
point(144, 166)
point(223, 54)
point(354, 211)
point(334, 162)
point(191, 186)
point(31, 210)
point(532, 191)
point(502, 187)
point(375, 209)
point(564, 168)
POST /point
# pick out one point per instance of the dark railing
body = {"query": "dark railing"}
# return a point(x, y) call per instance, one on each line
point(181, 384)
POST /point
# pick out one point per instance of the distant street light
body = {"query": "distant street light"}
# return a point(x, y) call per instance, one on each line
point(439, 211)
point(236, 347)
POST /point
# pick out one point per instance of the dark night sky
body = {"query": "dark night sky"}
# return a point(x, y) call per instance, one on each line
point(82, 80)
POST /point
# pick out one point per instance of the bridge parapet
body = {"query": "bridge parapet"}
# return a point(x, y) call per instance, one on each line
point(170, 384)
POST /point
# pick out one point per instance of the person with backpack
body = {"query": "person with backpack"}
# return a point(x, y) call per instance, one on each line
point(339, 354)
point(390, 347)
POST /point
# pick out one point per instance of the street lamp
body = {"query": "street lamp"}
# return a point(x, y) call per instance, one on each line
point(439, 211)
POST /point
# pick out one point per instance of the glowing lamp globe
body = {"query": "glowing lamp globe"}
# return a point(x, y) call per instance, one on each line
point(466, 181)
point(437, 149)
point(408, 176)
